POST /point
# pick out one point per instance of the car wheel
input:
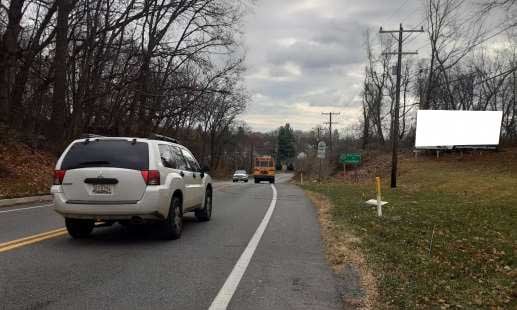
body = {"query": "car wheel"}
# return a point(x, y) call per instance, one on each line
point(78, 228)
point(205, 214)
point(256, 181)
point(173, 225)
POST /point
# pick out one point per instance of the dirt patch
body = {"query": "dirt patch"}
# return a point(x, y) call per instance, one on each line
point(346, 259)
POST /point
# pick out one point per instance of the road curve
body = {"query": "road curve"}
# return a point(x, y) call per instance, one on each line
point(121, 269)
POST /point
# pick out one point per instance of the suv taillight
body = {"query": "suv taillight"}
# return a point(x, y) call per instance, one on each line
point(59, 175)
point(151, 177)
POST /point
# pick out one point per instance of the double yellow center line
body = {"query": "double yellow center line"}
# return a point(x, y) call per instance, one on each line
point(10, 245)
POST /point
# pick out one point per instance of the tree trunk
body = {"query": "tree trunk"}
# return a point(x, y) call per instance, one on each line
point(57, 120)
point(366, 126)
point(8, 57)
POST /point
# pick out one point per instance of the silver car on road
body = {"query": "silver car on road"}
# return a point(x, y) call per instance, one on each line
point(240, 175)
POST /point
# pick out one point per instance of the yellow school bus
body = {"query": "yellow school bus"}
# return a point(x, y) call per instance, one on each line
point(264, 169)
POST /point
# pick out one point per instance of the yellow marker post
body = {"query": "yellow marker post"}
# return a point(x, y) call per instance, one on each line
point(379, 200)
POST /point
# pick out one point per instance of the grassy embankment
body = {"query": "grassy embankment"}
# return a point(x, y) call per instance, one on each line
point(471, 205)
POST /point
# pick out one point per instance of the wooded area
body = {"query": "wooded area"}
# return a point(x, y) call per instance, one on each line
point(121, 67)
point(456, 70)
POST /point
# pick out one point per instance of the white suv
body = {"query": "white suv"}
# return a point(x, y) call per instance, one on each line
point(130, 181)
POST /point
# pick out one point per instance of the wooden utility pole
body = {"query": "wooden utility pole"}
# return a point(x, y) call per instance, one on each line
point(395, 126)
point(330, 128)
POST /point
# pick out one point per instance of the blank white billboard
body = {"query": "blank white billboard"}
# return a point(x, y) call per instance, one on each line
point(436, 128)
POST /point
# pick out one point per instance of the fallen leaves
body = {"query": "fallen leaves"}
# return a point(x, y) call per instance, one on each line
point(24, 171)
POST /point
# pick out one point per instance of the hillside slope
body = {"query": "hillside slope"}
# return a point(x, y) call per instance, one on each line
point(24, 172)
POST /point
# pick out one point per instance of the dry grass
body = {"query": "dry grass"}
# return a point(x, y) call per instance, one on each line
point(342, 249)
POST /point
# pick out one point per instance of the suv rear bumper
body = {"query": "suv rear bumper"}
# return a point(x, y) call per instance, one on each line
point(154, 205)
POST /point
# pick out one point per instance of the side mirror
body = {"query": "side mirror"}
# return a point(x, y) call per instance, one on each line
point(205, 169)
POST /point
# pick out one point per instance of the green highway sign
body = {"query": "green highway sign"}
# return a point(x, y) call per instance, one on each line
point(350, 159)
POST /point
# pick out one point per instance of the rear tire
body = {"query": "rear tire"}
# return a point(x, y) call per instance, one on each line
point(272, 181)
point(256, 181)
point(204, 215)
point(173, 225)
point(78, 228)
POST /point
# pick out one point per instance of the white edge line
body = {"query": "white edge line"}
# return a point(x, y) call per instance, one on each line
point(27, 208)
point(225, 294)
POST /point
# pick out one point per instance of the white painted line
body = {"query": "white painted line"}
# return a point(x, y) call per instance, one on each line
point(225, 294)
point(28, 208)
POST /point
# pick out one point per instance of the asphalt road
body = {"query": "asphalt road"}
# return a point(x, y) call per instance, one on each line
point(255, 253)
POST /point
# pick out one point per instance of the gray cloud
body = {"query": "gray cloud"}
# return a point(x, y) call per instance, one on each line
point(307, 56)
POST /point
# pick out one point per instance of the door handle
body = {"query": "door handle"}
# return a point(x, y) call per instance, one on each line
point(182, 174)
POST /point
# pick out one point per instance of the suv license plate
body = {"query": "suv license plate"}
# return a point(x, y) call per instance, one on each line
point(102, 189)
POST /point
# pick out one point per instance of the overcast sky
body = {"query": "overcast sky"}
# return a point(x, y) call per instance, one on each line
point(305, 57)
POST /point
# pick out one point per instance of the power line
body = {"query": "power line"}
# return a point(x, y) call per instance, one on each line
point(489, 37)
point(406, 38)
point(396, 11)
point(469, 75)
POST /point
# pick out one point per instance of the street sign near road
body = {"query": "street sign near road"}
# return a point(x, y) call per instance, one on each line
point(350, 159)
point(322, 150)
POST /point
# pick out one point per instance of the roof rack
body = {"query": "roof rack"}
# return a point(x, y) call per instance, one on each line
point(156, 136)
point(89, 136)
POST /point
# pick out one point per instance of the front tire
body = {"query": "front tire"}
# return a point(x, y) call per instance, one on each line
point(78, 228)
point(173, 225)
point(204, 215)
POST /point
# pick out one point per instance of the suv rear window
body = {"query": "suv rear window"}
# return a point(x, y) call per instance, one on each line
point(107, 153)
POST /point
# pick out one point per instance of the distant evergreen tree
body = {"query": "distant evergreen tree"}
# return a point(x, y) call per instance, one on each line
point(286, 143)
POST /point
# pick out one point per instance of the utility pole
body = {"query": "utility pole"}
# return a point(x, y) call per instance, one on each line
point(330, 128)
point(395, 125)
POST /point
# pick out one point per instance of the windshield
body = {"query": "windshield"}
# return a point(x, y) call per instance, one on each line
point(240, 172)
point(264, 163)
point(107, 153)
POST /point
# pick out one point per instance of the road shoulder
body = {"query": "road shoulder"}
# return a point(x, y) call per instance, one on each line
point(356, 282)
point(24, 200)
point(289, 270)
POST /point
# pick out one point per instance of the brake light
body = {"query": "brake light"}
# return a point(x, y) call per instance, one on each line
point(151, 177)
point(59, 175)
